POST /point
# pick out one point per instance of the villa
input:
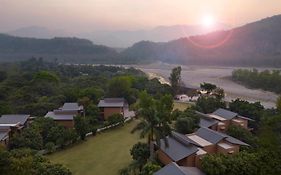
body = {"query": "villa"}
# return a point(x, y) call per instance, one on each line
point(221, 119)
point(110, 106)
point(65, 115)
point(11, 124)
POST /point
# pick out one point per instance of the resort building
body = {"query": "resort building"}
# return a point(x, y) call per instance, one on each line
point(65, 115)
point(188, 150)
point(221, 119)
point(110, 106)
point(11, 124)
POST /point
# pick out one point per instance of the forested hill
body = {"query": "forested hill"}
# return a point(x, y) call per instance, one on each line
point(72, 50)
point(254, 44)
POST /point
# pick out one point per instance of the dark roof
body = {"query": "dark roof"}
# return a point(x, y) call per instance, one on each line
point(207, 122)
point(112, 102)
point(71, 106)
point(215, 137)
point(209, 135)
point(177, 150)
point(59, 116)
point(174, 169)
point(14, 119)
point(183, 139)
point(225, 113)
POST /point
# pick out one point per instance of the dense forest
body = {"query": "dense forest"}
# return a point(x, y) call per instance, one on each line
point(35, 86)
point(266, 80)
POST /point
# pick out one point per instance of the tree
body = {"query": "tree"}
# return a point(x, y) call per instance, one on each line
point(150, 168)
point(209, 104)
point(278, 104)
point(29, 138)
point(85, 102)
point(119, 87)
point(186, 125)
point(115, 118)
point(208, 87)
point(156, 116)
point(175, 79)
point(81, 126)
point(242, 134)
point(140, 153)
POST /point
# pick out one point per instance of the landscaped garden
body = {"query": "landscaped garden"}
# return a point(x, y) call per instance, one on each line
point(105, 153)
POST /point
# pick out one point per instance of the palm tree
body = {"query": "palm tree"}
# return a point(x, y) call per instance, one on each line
point(156, 117)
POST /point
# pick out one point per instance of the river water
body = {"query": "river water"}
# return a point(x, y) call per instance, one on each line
point(192, 76)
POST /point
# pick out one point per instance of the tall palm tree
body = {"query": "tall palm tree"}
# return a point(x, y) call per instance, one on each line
point(155, 121)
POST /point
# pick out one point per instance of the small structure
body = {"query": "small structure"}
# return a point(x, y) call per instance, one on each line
point(174, 169)
point(109, 106)
point(221, 119)
point(188, 150)
point(215, 142)
point(11, 124)
point(65, 115)
point(180, 149)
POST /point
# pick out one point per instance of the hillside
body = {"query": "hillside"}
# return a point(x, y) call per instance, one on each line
point(254, 44)
point(72, 50)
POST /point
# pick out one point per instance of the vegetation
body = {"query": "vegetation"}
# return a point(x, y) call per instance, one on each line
point(175, 80)
point(208, 104)
point(186, 122)
point(41, 133)
point(266, 80)
point(156, 117)
point(26, 162)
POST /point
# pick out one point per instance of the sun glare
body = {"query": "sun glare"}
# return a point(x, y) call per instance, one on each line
point(208, 21)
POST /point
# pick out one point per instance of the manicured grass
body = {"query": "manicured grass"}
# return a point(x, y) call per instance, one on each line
point(104, 154)
point(181, 105)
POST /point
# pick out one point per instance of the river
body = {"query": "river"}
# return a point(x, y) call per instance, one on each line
point(192, 76)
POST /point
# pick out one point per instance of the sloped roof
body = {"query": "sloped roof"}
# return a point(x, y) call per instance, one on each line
point(215, 137)
point(177, 150)
point(225, 113)
point(209, 135)
point(59, 116)
point(14, 119)
point(71, 106)
point(112, 102)
point(207, 122)
point(174, 169)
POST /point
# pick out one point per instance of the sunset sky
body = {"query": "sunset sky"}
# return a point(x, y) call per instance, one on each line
point(89, 15)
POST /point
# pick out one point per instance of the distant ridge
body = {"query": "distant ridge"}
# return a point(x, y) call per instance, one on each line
point(71, 50)
point(254, 44)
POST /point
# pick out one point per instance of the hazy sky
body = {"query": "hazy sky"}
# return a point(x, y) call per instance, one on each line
point(89, 15)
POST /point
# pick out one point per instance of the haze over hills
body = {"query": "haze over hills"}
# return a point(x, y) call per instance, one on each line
point(72, 50)
point(254, 44)
point(121, 38)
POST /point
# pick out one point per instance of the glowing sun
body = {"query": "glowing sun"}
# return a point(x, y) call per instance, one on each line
point(208, 21)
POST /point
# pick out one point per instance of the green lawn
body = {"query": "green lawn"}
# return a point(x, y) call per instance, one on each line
point(104, 154)
point(181, 105)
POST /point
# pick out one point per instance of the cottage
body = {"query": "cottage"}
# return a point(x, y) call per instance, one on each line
point(65, 115)
point(215, 142)
point(109, 106)
point(221, 119)
point(180, 149)
point(174, 169)
point(11, 124)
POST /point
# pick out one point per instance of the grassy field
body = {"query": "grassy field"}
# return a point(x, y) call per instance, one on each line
point(181, 106)
point(104, 154)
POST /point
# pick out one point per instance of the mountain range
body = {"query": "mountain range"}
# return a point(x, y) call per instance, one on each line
point(121, 38)
point(254, 44)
